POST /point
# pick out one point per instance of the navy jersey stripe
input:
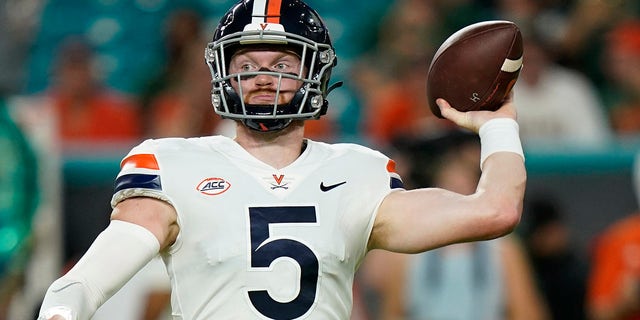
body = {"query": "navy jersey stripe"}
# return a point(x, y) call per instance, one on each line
point(144, 181)
point(396, 183)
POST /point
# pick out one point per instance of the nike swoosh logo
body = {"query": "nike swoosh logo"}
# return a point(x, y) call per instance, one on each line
point(331, 186)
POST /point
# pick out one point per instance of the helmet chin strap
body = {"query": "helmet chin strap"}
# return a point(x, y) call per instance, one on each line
point(334, 86)
point(266, 125)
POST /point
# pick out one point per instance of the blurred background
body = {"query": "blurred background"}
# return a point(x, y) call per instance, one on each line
point(83, 81)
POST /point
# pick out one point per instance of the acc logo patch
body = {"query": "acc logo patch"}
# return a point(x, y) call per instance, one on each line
point(213, 186)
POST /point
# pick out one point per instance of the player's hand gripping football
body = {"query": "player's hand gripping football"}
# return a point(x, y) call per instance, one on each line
point(473, 120)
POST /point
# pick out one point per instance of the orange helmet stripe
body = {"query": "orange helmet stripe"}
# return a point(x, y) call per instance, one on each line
point(273, 11)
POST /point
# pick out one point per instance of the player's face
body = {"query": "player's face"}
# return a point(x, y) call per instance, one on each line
point(261, 89)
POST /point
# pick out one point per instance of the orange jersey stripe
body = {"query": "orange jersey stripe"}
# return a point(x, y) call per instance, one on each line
point(145, 161)
point(273, 11)
point(391, 166)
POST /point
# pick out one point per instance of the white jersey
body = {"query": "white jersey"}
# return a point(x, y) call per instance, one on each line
point(257, 242)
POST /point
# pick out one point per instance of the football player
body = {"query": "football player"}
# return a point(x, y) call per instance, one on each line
point(269, 224)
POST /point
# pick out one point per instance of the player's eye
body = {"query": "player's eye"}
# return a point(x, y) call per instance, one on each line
point(282, 67)
point(248, 67)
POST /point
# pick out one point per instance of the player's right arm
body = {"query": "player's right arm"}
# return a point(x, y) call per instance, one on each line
point(157, 216)
point(140, 228)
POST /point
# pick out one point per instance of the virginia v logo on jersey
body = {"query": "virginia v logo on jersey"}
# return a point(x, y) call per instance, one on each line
point(279, 182)
point(213, 186)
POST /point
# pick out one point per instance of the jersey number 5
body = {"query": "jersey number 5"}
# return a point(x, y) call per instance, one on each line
point(264, 252)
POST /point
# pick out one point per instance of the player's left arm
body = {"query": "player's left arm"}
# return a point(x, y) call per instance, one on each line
point(417, 220)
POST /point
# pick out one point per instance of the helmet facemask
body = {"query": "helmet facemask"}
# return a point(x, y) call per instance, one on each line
point(309, 101)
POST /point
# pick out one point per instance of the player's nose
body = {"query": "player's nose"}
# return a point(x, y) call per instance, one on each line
point(263, 79)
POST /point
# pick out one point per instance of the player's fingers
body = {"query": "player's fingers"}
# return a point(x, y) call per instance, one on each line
point(446, 110)
point(462, 119)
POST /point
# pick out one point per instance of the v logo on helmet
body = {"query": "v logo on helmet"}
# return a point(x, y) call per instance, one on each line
point(263, 26)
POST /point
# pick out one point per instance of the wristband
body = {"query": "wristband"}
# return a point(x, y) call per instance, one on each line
point(499, 135)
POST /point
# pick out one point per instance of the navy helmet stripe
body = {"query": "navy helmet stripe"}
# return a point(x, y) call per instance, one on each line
point(144, 181)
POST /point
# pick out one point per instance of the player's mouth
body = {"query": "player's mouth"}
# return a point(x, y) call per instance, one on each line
point(263, 97)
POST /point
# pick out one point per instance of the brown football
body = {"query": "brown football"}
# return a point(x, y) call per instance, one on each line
point(476, 67)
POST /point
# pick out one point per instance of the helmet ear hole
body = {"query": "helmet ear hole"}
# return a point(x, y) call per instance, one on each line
point(327, 56)
point(291, 26)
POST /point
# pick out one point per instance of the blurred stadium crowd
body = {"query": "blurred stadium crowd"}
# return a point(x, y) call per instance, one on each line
point(83, 81)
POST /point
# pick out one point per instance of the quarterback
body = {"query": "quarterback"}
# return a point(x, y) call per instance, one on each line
point(269, 224)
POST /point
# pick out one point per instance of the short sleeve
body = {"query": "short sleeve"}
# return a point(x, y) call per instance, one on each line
point(140, 175)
